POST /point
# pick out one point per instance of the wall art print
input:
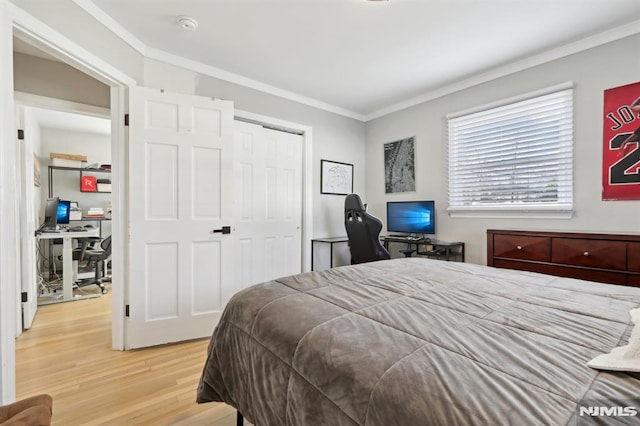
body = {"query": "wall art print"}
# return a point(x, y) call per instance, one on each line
point(336, 178)
point(399, 166)
point(621, 143)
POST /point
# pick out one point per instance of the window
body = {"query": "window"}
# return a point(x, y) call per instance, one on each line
point(513, 159)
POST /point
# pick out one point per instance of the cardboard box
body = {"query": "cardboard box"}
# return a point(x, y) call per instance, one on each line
point(63, 162)
point(67, 160)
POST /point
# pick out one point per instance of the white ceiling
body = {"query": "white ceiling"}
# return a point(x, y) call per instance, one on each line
point(362, 56)
point(60, 120)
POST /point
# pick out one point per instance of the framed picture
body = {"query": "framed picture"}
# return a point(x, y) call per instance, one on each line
point(336, 178)
point(399, 166)
point(621, 143)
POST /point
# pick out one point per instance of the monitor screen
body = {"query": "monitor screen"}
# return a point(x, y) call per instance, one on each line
point(64, 210)
point(417, 217)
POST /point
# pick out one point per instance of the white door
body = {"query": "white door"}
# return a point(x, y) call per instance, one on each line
point(268, 182)
point(180, 195)
point(28, 274)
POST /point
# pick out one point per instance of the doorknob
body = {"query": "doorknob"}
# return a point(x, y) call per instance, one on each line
point(223, 230)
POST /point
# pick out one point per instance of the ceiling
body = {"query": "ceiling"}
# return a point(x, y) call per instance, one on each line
point(47, 118)
point(363, 57)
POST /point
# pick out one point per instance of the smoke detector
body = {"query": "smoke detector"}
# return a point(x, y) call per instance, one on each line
point(187, 23)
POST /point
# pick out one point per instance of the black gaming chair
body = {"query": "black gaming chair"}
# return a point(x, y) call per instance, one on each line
point(363, 231)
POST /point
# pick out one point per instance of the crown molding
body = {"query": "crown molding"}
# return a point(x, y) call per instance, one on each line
point(501, 71)
point(221, 74)
point(112, 25)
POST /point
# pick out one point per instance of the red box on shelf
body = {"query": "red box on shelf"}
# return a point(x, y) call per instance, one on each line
point(88, 184)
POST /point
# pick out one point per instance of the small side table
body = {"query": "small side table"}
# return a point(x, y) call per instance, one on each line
point(331, 241)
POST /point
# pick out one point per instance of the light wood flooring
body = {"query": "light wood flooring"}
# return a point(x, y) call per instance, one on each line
point(67, 354)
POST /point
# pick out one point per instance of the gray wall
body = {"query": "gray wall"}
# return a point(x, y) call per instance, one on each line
point(57, 80)
point(594, 70)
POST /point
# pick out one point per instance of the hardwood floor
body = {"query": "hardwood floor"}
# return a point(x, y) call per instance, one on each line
point(67, 354)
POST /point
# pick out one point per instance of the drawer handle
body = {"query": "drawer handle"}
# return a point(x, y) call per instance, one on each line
point(586, 253)
point(519, 247)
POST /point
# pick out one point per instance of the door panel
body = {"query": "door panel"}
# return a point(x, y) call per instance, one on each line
point(268, 170)
point(207, 283)
point(206, 165)
point(162, 181)
point(181, 174)
point(162, 281)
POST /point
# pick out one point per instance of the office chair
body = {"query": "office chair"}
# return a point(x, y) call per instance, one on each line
point(363, 231)
point(96, 258)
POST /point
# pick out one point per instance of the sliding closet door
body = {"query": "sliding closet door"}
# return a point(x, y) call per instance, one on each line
point(268, 205)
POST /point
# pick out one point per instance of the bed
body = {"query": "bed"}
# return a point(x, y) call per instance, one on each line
point(417, 341)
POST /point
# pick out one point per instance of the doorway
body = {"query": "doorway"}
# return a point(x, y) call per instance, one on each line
point(119, 83)
point(48, 132)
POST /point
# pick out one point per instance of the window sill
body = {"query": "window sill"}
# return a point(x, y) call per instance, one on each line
point(513, 212)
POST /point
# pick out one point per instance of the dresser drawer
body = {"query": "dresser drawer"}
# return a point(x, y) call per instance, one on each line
point(633, 257)
point(522, 247)
point(633, 280)
point(590, 253)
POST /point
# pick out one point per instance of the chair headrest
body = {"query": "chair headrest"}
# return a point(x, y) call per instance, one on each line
point(353, 202)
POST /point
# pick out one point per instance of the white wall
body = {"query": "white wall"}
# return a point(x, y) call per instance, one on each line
point(594, 70)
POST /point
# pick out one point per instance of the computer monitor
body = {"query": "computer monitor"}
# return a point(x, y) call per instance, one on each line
point(64, 211)
point(413, 217)
point(50, 214)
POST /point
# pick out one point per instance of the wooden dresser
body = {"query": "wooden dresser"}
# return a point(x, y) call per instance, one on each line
point(607, 258)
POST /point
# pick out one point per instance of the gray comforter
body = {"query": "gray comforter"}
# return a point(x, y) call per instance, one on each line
point(421, 342)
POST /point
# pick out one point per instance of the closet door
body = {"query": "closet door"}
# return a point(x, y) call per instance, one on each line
point(268, 204)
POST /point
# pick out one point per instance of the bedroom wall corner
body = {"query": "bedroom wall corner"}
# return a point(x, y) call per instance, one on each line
point(592, 71)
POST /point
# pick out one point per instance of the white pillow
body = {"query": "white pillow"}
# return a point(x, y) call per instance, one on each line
point(623, 358)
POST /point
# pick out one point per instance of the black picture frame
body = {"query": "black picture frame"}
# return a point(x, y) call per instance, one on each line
point(336, 178)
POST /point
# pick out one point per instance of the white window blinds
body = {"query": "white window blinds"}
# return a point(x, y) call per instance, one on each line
point(516, 157)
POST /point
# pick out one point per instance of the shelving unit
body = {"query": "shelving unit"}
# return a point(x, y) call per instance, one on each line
point(82, 171)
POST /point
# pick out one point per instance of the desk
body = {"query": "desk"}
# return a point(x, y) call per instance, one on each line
point(331, 241)
point(434, 249)
point(67, 258)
